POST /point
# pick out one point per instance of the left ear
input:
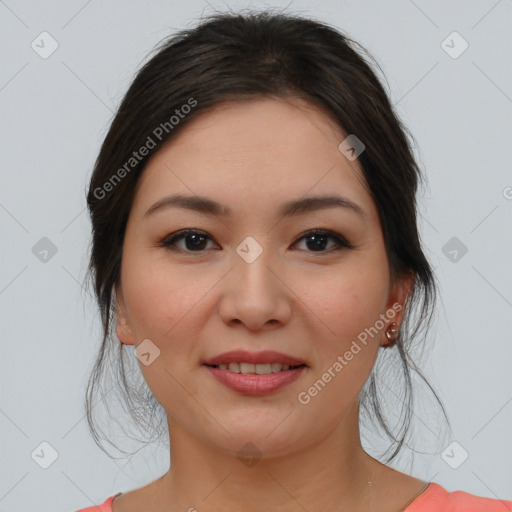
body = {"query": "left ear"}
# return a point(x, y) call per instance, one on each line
point(123, 328)
point(399, 291)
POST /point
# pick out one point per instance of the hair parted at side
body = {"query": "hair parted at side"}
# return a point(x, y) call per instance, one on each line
point(239, 57)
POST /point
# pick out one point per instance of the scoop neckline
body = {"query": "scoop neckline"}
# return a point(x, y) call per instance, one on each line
point(426, 490)
point(419, 497)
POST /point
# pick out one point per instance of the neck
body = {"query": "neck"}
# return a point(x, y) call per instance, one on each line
point(333, 473)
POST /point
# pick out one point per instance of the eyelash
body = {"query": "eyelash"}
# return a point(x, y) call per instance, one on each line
point(341, 242)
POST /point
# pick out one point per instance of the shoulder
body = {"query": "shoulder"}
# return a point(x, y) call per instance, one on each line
point(106, 506)
point(437, 499)
point(463, 501)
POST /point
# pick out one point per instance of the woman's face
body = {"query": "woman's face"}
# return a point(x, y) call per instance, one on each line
point(253, 280)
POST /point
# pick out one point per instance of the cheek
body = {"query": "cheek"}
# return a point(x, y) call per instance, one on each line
point(348, 349)
point(161, 297)
point(161, 305)
point(348, 304)
point(350, 300)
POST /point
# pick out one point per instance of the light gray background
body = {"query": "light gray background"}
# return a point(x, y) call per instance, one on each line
point(54, 114)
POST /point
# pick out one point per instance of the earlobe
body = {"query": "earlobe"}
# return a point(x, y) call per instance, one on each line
point(124, 332)
point(395, 309)
point(123, 329)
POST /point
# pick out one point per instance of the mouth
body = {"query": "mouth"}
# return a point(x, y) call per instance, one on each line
point(256, 369)
point(255, 379)
point(254, 362)
point(255, 373)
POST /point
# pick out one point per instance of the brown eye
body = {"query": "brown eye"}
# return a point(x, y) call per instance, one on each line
point(194, 241)
point(317, 239)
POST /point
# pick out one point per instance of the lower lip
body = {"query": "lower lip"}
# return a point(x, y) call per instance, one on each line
point(252, 384)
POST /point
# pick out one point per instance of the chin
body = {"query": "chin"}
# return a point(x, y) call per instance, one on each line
point(258, 440)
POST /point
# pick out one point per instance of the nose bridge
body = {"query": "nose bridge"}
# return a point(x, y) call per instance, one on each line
point(253, 262)
point(255, 295)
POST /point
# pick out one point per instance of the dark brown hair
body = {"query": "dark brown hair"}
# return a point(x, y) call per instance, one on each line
point(239, 57)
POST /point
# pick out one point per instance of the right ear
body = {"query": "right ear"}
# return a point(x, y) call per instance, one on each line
point(123, 328)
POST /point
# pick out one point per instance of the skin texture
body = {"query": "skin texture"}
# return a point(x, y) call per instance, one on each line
point(310, 303)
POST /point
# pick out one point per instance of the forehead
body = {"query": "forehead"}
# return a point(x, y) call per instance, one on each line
point(247, 128)
point(260, 150)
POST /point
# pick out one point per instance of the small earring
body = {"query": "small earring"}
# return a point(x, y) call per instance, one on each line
point(391, 333)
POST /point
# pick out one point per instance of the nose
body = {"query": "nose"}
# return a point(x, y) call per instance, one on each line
point(255, 293)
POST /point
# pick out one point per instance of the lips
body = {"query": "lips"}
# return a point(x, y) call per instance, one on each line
point(256, 385)
point(243, 356)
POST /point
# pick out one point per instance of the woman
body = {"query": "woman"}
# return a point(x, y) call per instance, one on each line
point(239, 147)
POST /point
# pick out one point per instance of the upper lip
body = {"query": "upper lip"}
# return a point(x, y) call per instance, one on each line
point(242, 356)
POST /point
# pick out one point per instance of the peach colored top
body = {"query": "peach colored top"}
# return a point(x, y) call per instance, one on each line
point(433, 499)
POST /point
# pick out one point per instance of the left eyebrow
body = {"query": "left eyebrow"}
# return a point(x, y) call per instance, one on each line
point(295, 207)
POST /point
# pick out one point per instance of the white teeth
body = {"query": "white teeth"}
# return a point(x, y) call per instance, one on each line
point(246, 368)
point(263, 369)
point(276, 367)
point(259, 369)
point(234, 367)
